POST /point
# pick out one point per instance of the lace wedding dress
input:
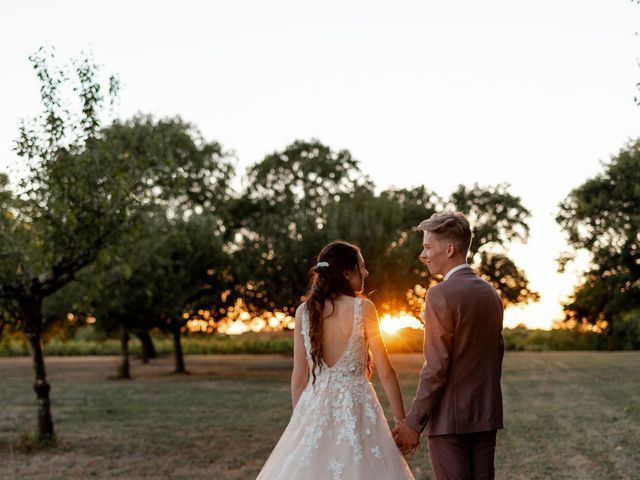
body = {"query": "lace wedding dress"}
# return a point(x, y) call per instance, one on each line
point(338, 430)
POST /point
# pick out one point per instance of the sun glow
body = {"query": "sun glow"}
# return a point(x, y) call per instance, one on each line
point(390, 324)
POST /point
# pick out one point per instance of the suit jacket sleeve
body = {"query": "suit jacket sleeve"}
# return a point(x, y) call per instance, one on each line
point(501, 351)
point(501, 337)
point(438, 340)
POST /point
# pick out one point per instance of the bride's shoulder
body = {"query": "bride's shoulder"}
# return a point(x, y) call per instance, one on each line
point(368, 308)
point(299, 320)
point(366, 302)
point(301, 310)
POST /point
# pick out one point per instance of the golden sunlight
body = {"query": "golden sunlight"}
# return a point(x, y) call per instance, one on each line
point(238, 321)
point(234, 328)
point(390, 324)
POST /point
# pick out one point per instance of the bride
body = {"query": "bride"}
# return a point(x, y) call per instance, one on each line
point(337, 429)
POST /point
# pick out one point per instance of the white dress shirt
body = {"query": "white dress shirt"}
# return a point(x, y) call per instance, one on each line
point(455, 269)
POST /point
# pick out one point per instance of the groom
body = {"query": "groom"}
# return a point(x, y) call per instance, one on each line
point(458, 400)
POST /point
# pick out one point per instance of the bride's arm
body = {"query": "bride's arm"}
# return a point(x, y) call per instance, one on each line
point(386, 372)
point(300, 375)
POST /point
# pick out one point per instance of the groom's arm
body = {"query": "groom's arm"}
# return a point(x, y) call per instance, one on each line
point(438, 339)
point(501, 351)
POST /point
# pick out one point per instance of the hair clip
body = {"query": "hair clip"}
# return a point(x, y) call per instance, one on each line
point(322, 264)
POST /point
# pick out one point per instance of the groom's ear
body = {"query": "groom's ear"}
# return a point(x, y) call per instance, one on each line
point(451, 250)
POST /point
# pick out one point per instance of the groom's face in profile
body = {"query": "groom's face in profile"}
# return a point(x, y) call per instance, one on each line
point(434, 253)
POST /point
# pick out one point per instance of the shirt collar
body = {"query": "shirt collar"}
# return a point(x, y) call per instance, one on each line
point(455, 269)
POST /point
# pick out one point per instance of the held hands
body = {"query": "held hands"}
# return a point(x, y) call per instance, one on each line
point(407, 439)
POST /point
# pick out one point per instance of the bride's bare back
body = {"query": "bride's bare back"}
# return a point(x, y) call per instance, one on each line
point(336, 328)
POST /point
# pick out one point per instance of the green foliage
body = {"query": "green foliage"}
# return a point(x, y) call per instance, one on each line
point(304, 176)
point(87, 342)
point(384, 227)
point(91, 189)
point(180, 171)
point(602, 217)
point(280, 219)
point(301, 198)
point(520, 339)
point(159, 267)
point(90, 341)
point(175, 268)
point(75, 199)
point(626, 331)
point(498, 218)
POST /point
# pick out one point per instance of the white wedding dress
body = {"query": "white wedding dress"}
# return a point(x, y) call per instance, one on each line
point(338, 430)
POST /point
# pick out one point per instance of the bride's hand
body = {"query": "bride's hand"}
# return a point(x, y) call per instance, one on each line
point(407, 439)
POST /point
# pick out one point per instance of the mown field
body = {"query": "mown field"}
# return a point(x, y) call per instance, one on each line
point(567, 414)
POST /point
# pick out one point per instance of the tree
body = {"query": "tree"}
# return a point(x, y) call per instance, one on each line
point(167, 278)
point(188, 176)
point(602, 217)
point(86, 190)
point(498, 218)
point(188, 276)
point(385, 227)
point(280, 219)
point(307, 195)
point(192, 176)
point(71, 204)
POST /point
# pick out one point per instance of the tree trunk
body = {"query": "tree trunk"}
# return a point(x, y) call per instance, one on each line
point(610, 335)
point(123, 370)
point(177, 347)
point(148, 349)
point(32, 318)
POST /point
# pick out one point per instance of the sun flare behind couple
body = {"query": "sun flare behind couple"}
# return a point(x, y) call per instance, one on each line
point(338, 429)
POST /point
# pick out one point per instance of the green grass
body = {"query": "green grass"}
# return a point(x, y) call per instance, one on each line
point(567, 415)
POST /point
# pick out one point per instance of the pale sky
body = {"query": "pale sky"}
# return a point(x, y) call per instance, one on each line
point(535, 94)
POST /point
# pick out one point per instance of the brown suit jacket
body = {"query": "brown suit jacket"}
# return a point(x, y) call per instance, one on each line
point(459, 390)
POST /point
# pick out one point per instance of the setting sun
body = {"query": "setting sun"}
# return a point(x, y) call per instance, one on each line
point(390, 324)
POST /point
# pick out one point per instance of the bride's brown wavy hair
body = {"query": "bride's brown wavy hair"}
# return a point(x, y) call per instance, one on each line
point(328, 281)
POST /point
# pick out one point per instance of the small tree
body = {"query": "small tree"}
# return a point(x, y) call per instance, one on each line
point(165, 280)
point(73, 202)
point(188, 276)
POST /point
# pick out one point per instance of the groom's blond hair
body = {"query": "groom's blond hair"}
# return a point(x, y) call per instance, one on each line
point(453, 227)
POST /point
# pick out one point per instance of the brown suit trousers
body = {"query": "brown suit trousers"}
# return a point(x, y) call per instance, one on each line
point(459, 394)
point(462, 457)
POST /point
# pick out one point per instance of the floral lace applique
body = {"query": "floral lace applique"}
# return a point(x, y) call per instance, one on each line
point(376, 452)
point(336, 468)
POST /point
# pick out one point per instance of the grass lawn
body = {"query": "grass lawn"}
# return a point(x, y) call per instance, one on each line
point(567, 415)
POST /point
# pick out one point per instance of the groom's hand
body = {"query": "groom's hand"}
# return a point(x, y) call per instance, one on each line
point(407, 439)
